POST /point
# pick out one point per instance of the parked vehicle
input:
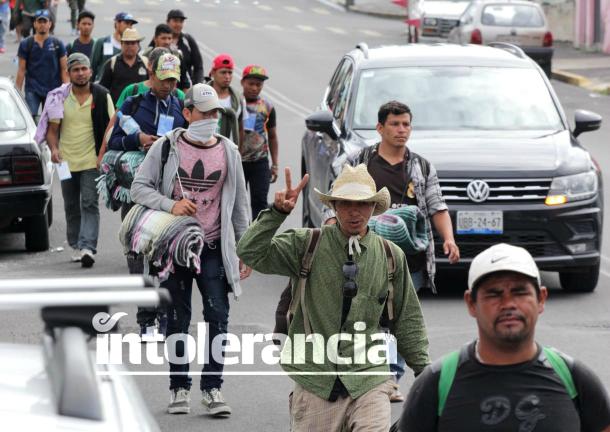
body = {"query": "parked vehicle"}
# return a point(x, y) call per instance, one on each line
point(519, 22)
point(26, 173)
point(58, 385)
point(510, 168)
point(441, 16)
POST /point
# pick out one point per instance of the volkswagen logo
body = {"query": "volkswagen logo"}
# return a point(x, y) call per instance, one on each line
point(478, 191)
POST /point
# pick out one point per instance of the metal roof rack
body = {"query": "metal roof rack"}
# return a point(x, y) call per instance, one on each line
point(68, 307)
point(511, 48)
point(362, 46)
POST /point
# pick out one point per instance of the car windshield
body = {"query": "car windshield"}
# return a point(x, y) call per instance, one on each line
point(459, 98)
point(510, 15)
point(10, 114)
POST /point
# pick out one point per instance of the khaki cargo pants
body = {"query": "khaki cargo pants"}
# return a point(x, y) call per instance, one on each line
point(368, 413)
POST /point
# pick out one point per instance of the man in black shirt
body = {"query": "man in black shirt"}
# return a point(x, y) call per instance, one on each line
point(84, 42)
point(505, 381)
point(191, 60)
point(125, 68)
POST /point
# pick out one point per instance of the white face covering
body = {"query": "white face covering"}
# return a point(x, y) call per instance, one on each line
point(202, 130)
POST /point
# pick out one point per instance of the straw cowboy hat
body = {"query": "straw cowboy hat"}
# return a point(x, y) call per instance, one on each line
point(131, 35)
point(356, 184)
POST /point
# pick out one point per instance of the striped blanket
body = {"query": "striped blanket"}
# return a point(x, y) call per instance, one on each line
point(405, 226)
point(165, 240)
point(118, 170)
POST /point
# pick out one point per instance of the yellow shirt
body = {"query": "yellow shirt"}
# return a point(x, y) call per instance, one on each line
point(76, 139)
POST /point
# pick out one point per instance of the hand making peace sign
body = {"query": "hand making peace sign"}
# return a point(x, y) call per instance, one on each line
point(286, 199)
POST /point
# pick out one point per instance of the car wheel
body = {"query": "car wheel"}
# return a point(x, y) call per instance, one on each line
point(50, 212)
point(306, 217)
point(37, 233)
point(580, 281)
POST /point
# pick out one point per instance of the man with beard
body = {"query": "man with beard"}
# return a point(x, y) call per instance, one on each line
point(505, 380)
point(76, 138)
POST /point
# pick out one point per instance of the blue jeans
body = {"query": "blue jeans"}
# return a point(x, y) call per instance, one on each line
point(398, 364)
point(214, 289)
point(257, 175)
point(82, 211)
point(34, 102)
point(5, 19)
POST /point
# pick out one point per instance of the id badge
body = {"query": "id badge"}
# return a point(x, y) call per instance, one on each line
point(108, 49)
point(166, 124)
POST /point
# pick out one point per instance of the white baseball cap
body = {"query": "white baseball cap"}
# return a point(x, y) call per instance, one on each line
point(502, 257)
point(203, 97)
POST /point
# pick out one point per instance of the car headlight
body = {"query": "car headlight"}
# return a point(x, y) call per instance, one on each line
point(572, 188)
point(430, 21)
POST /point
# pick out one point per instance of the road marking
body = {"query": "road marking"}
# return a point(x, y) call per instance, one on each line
point(372, 33)
point(331, 4)
point(123, 2)
point(264, 7)
point(96, 1)
point(145, 20)
point(605, 273)
point(108, 18)
point(336, 30)
point(321, 11)
point(209, 23)
point(151, 2)
point(277, 97)
point(272, 27)
point(605, 258)
point(239, 24)
point(293, 9)
point(306, 28)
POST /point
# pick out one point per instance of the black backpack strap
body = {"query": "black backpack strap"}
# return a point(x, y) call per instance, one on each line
point(134, 90)
point(164, 156)
point(135, 103)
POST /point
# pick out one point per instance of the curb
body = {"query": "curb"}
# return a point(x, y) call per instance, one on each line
point(580, 81)
point(389, 15)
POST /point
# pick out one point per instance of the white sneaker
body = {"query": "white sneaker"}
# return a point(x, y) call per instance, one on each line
point(215, 403)
point(76, 255)
point(179, 401)
point(86, 258)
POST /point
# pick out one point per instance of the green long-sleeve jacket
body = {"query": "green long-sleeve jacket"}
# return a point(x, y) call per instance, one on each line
point(281, 254)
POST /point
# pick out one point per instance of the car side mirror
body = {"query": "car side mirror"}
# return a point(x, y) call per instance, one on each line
point(586, 121)
point(323, 121)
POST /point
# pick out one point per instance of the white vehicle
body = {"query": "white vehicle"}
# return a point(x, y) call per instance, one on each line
point(519, 22)
point(440, 16)
point(57, 385)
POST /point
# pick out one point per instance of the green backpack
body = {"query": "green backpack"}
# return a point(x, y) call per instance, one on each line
point(449, 365)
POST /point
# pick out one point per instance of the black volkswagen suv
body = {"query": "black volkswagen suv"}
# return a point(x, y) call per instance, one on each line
point(510, 168)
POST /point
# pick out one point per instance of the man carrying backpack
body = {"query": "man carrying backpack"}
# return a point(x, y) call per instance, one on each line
point(354, 284)
point(505, 380)
point(192, 62)
point(42, 63)
point(106, 47)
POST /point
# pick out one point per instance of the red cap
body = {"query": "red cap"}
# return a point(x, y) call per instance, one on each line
point(223, 61)
point(255, 71)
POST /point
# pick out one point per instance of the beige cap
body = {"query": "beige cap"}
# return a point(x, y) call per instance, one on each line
point(502, 257)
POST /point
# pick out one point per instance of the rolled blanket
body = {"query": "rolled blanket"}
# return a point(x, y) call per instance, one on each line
point(165, 240)
point(118, 171)
point(405, 226)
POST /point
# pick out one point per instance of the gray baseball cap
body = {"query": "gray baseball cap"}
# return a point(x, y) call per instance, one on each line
point(203, 97)
point(78, 59)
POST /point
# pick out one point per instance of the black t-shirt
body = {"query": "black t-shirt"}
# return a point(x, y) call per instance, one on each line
point(122, 75)
point(528, 397)
point(397, 180)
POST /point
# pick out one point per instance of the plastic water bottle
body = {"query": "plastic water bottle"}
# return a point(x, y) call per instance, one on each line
point(127, 123)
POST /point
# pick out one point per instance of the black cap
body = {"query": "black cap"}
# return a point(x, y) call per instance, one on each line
point(86, 14)
point(175, 13)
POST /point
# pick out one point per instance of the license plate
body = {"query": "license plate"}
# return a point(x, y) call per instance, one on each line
point(508, 39)
point(480, 222)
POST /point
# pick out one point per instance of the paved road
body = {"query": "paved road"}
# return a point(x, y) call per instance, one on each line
point(300, 42)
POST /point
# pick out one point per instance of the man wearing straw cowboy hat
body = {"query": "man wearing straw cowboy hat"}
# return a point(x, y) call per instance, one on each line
point(347, 291)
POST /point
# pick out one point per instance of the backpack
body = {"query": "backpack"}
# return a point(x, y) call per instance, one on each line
point(288, 305)
point(114, 58)
point(450, 363)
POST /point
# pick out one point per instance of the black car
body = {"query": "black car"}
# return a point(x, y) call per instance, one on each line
point(25, 173)
point(487, 117)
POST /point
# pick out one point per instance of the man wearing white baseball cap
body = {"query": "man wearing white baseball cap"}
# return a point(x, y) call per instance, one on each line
point(505, 380)
point(194, 172)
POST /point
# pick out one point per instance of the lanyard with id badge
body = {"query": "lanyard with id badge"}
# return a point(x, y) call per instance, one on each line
point(166, 121)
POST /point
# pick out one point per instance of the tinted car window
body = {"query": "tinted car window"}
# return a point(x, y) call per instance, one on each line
point(508, 15)
point(450, 98)
point(337, 85)
point(342, 94)
point(10, 115)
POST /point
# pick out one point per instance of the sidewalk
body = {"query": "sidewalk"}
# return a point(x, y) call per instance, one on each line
point(590, 70)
